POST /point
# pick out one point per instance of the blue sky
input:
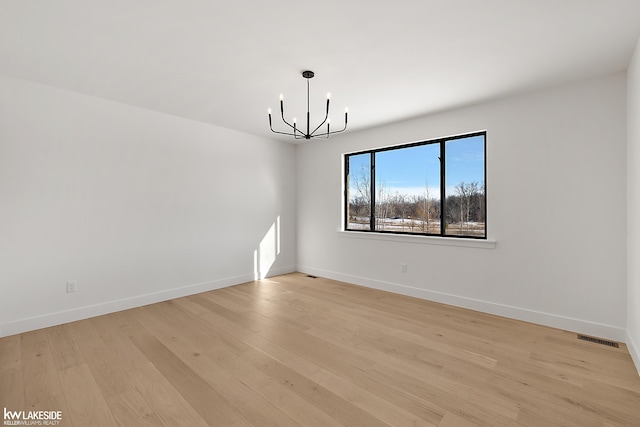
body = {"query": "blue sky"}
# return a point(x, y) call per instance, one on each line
point(411, 170)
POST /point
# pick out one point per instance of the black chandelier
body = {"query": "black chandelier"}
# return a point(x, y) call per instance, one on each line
point(299, 134)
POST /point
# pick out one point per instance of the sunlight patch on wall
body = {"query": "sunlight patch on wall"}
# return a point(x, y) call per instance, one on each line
point(267, 252)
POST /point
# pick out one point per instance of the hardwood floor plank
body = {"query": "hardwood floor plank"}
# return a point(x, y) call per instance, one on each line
point(130, 358)
point(440, 325)
point(10, 355)
point(300, 410)
point(421, 408)
point(272, 324)
point(11, 374)
point(12, 391)
point(538, 393)
point(452, 420)
point(207, 402)
point(167, 328)
point(225, 353)
point(341, 357)
point(42, 388)
point(307, 389)
point(367, 401)
point(166, 402)
point(85, 401)
point(100, 358)
point(130, 408)
point(614, 398)
point(358, 396)
point(64, 349)
point(128, 405)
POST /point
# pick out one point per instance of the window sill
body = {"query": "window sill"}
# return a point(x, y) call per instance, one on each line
point(426, 240)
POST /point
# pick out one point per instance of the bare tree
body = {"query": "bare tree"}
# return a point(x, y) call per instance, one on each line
point(467, 199)
point(360, 202)
point(363, 185)
point(383, 205)
point(427, 203)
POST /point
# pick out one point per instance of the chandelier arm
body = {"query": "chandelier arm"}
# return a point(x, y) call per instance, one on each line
point(282, 133)
point(282, 115)
point(326, 116)
point(327, 134)
point(332, 132)
point(298, 135)
point(323, 122)
point(296, 131)
point(275, 131)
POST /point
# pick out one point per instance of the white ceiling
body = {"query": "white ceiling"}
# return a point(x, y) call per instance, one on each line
point(225, 62)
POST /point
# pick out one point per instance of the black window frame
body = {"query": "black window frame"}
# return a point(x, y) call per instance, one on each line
point(443, 185)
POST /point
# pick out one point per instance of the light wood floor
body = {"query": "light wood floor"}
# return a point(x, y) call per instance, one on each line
point(299, 351)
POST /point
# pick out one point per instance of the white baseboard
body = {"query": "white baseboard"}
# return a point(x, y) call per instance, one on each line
point(540, 318)
point(57, 318)
point(634, 351)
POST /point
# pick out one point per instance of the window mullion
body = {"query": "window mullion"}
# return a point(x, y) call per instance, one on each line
point(443, 186)
point(346, 196)
point(372, 185)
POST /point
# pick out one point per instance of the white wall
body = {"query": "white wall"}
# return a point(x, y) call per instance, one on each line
point(134, 205)
point(633, 207)
point(556, 209)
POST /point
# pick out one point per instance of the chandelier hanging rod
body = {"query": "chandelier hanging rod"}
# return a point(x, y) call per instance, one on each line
point(297, 133)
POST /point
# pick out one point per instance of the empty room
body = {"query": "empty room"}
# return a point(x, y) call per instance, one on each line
point(341, 213)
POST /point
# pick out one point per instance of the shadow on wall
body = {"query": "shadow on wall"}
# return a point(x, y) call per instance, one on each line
point(267, 252)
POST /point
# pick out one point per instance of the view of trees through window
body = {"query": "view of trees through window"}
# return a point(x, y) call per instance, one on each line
point(433, 188)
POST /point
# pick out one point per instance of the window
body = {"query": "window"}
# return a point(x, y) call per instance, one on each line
point(434, 188)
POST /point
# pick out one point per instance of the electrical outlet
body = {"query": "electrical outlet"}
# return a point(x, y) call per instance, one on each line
point(403, 268)
point(72, 286)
